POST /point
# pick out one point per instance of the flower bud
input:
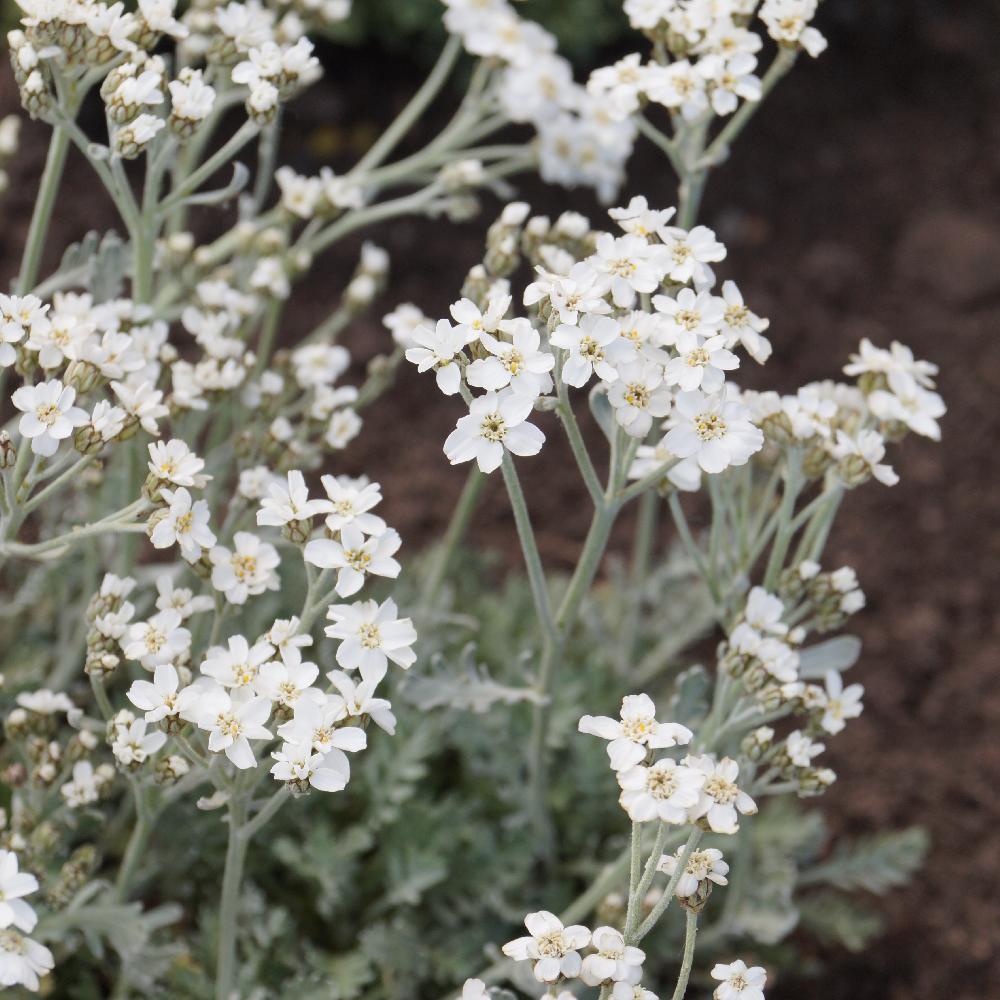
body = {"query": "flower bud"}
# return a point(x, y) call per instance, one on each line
point(8, 452)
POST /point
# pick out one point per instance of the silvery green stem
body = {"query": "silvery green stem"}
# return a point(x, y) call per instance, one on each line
point(453, 536)
point(137, 841)
point(247, 131)
point(783, 537)
point(719, 147)
point(690, 933)
point(415, 107)
point(55, 163)
point(529, 548)
point(668, 893)
point(232, 878)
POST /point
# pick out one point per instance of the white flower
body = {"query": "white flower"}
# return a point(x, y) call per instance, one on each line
point(247, 571)
point(107, 420)
point(84, 786)
point(184, 523)
point(290, 502)
point(142, 402)
point(631, 264)
point(701, 364)
point(519, 363)
point(357, 701)
point(404, 322)
point(613, 960)
point(701, 865)
point(763, 612)
point(133, 745)
point(285, 634)
point(742, 326)
point(738, 982)
point(299, 195)
point(861, 456)
point(49, 415)
point(181, 599)
point(173, 462)
point(720, 798)
point(665, 790)
point(619, 86)
point(715, 432)
point(473, 321)
point(284, 681)
point(231, 719)
point(554, 948)
point(581, 292)
point(638, 395)
point(20, 315)
point(909, 403)
point(350, 503)
point(22, 961)
point(44, 701)
point(319, 364)
point(13, 885)
point(690, 253)
point(636, 732)
point(344, 427)
point(371, 634)
point(629, 991)
point(639, 219)
point(162, 639)
point(696, 313)
point(474, 989)
point(679, 87)
point(297, 764)
point(801, 749)
point(237, 665)
point(315, 725)
point(898, 358)
point(840, 703)
point(191, 98)
point(730, 79)
point(439, 349)
point(595, 348)
point(158, 698)
point(355, 556)
point(495, 422)
point(787, 23)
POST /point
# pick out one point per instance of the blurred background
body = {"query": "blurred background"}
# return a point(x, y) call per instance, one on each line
point(864, 200)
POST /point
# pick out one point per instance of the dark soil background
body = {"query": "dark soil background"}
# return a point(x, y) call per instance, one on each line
point(864, 200)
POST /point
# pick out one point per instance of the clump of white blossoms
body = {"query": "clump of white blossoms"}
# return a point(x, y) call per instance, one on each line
point(205, 603)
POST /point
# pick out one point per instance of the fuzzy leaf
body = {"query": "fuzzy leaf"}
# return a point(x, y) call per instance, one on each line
point(837, 919)
point(838, 653)
point(877, 863)
point(467, 687)
point(691, 696)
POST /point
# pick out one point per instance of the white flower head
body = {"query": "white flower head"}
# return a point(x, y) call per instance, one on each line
point(289, 501)
point(720, 798)
point(612, 961)
point(49, 415)
point(371, 634)
point(705, 864)
point(495, 422)
point(737, 982)
point(665, 790)
point(714, 431)
point(355, 556)
point(636, 732)
point(552, 947)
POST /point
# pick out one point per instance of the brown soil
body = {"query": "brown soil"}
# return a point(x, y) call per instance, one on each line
point(864, 201)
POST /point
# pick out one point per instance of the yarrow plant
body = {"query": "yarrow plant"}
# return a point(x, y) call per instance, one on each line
point(205, 617)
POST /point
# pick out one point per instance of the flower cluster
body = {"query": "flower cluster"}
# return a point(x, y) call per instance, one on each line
point(22, 960)
point(636, 316)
